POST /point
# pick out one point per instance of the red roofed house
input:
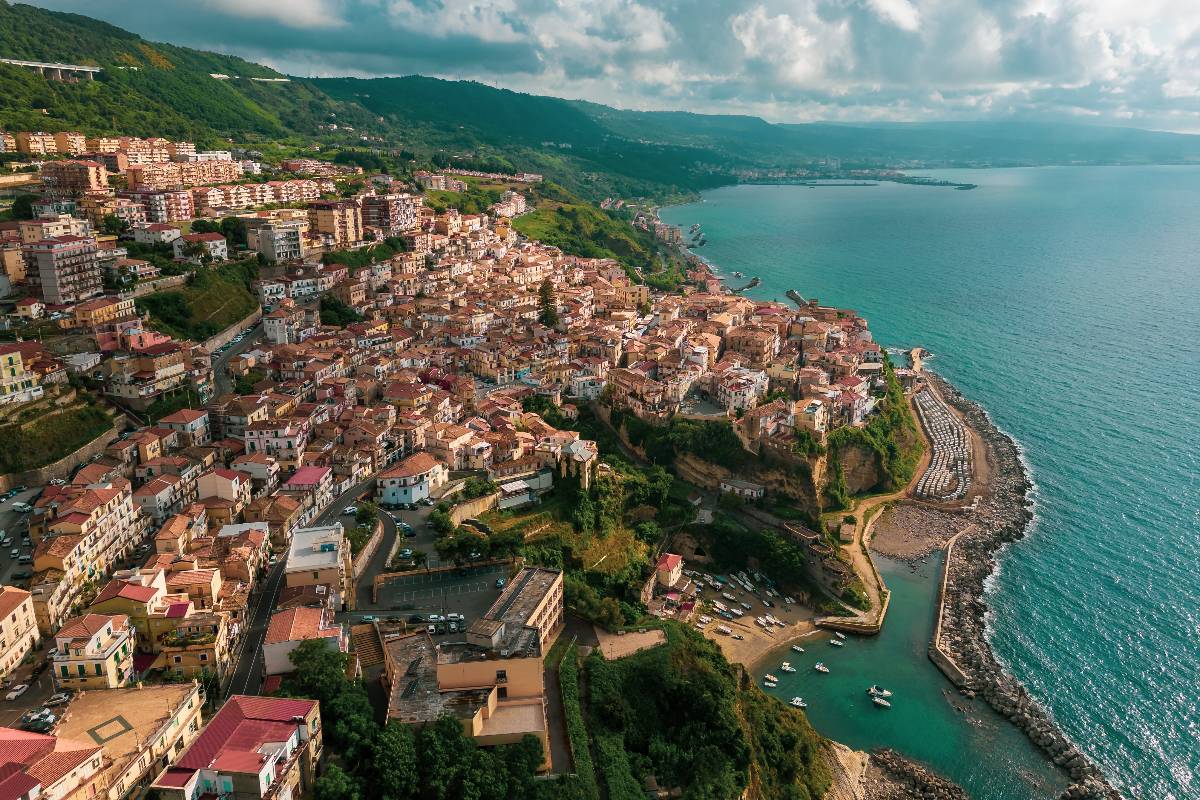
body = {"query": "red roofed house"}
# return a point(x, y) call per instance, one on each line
point(411, 480)
point(224, 493)
point(289, 628)
point(37, 766)
point(313, 486)
point(191, 424)
point(669, 569)
point(255, 747)
point(18, 627)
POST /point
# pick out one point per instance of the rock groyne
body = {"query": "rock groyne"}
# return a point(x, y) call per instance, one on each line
point(1002, 517)
point(891, 776)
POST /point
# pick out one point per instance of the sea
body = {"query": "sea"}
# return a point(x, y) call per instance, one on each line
point(1067, 302)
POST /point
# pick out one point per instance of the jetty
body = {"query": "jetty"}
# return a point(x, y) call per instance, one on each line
point(796, 298)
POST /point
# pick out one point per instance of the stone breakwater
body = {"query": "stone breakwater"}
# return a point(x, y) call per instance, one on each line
point(1002, 517)
point(891, 776)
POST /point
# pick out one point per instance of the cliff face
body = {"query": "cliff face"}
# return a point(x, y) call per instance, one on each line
point(860, 468)
point(792, 483)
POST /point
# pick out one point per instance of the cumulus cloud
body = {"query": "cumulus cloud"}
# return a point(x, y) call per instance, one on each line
point(1111, 61)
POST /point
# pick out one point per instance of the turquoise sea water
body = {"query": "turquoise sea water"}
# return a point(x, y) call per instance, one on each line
point(1066, 301)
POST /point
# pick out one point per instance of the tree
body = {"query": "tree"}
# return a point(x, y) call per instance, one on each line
point(114, 225)
point(367, 514)
point(337, 784)
point(549, 313)
point(234, 231)
point(393, 765)
point(334, 312)
point(22, 206)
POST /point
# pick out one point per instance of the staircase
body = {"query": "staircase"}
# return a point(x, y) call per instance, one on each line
point(367, 645)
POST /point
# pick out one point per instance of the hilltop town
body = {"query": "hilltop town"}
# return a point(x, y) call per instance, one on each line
point(417, 442)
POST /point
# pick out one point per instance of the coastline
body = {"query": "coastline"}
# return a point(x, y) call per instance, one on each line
point(1003, 517)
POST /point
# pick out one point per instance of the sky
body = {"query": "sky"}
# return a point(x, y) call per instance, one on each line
point(1118, 62)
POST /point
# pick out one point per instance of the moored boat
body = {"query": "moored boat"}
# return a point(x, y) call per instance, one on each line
point(839, 634)
point(770, 677)
point(820, 667)
point(879, 701)
point(878, 691)
point(798, 648)
point(837, 643)
point(798, 702)
point(787, 667)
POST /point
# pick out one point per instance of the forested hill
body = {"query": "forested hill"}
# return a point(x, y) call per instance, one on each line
point(149, 88)
point(146, 88)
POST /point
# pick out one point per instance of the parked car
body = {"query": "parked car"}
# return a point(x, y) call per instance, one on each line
point(369, 618)
point(408, 532)
point(17, 691)
point(452, 627)
point(500, 583)
point(431, 629)
point(426, 502)
point(14, 553)
point(405, 553)
point(58, 699)
point(23, 508)
point(22, 575)
point(57, 482)
point(6, 541)
point(416, 619)
point(349, 511)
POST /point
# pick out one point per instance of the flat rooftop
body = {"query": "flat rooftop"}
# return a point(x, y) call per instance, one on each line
point(122, 721)
point(414, 695)
point(315, 548)
point(515, 717)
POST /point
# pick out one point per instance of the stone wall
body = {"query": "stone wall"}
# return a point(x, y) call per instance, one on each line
point(156, 285)
point(363, 559)
point(226, 336)
point(473, 508)
point(62, 468)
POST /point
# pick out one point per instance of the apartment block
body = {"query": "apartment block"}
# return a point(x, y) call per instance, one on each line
point(67, 268)
point(338, 222)
point(18, 627)
point(74, 178)
point(391, 214)
point(94, 651)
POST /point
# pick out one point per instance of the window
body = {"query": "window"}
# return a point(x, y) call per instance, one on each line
point(66, 672)
point(82, 670)
point(204, 656)
point(99, 669)
point(178, 659)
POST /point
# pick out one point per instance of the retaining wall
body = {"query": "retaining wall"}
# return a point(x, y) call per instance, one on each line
point(473, 508)
point(938, 654)
point(226, 336)
point(156, 285)
point(62, 468)
point(360, 562)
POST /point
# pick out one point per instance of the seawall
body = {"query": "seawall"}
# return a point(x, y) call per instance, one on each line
point(1003, 517)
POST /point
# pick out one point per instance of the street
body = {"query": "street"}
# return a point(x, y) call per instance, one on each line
point(14, 525)
point(220, 364)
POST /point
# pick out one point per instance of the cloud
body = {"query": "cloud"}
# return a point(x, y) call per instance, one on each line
point(1111, 61)
point(294, 13)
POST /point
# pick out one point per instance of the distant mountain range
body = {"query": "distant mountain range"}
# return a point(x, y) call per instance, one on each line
point(150, 88)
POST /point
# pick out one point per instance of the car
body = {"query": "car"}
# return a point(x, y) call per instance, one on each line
point(476, 556)
point(454, 616)
point(39, 712)
point(25, 558)
point(415, 619)
point(57, 482)
point(17, 691)
point(404, 526)
point(452, 627)
point(23, 508)
point(436, 618)
point(500, 583)
point(58, 699)
point(349, 511)
point(369, 618)
point(426, 502)
point(6, 541)
point(405, 553)
point(274, 558)
point(14, 553)
point(393, 620)
point(22, 575)
point(738, 636)
point(431, 629)
point(408, 532)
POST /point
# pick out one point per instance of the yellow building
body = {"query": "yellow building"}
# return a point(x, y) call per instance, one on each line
point(145, 729)
point(104, 310)
point(94, 651)
point(17, 385)
point(339, 221)
point(18, 627)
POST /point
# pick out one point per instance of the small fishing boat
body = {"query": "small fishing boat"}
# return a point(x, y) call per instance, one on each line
point(837, 643)
point(769, 684)
point(840, 635)
point(798, 702)
point(878, 691)
point(738, 274)
point(770, 677)
point(798, 648)
point(787, 667)
point(820, 667)
point(879, 701)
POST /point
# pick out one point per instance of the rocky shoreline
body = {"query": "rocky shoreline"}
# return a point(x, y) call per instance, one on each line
point(1002, 517)
point(891, 776)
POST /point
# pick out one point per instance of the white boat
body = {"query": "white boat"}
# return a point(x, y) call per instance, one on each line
point(837, 643)
point(787, 667)
point(820, 667)
point(770, 684)
point(798, 648)
point(770, 677)
point(839, 634)
point(878, 691)
point(879, 701)
point(798, 702)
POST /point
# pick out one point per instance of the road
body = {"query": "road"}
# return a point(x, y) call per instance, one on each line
point(224, 383)
point(247, 662)
point(15, 525)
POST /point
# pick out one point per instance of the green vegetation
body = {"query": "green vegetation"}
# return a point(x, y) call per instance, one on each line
point(577, 734)
point(475, 200)
point(891, 435)
point(365, 256)
point(245, 383)
point(583, 230)
point(160, 255)
point(710, 440)
point(477, 487)
point(548, 315)
point(212, 300)
point(732, 546)
point(682, 713)
point(45, 438)
point(172, 402)
point(334, 312)
point(400, 762)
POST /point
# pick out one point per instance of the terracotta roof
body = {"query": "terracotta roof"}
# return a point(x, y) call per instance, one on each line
point(416, 464)
point(86, 626)
point(10, 598)
point(242, 726)
point(126, 590)
point(297, 624)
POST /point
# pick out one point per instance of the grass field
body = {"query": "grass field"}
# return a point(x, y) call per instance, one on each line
point(212, 300)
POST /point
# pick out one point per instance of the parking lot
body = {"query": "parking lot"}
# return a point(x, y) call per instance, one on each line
point(469, 591)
